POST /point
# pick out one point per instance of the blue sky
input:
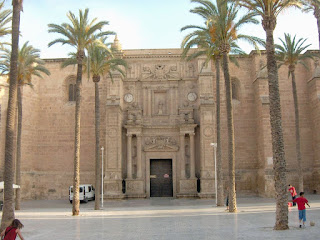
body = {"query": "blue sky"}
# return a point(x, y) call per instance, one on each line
point(141, 24)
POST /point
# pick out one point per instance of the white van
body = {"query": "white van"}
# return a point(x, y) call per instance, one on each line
point(86, 193)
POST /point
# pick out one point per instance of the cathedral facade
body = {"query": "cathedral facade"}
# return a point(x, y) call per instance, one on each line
point(157, 128)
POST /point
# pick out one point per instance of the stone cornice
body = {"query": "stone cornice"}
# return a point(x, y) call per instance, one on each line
point(151, 56)
point(4, 85)
point(54, 60)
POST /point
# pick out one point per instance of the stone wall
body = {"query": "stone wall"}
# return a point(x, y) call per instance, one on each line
point(48, 123)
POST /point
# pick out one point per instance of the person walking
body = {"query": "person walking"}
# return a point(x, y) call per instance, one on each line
point(11, 232)
point(302, 201)
point(293, 193)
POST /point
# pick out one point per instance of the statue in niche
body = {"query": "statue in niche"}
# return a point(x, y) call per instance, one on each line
point(160, 108)
point(187, 151)
point(134, 152)
point(190, 70)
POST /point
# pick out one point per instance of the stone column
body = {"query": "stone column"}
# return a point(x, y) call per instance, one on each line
point(192, 156)
point(176, 100)
point(182, 160)
point(139, 161)
point(149, 102)
point(144, 100)
point(129, 156)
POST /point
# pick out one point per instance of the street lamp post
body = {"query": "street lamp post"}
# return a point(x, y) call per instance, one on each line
point(214, 145)
point(102, 148)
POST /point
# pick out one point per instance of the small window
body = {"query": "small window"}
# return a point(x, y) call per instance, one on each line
point(81, 189)
point(72, 92)
point(235, 89)
point(89, 189)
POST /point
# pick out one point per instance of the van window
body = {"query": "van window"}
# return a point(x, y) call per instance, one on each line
point(80, 189)
point(89, 189)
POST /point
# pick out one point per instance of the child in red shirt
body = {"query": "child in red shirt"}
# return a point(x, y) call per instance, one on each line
point(293, 193)
point(11, 232)
point(301, 201)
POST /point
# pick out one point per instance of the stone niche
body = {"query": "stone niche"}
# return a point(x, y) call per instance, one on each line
point(160, 103)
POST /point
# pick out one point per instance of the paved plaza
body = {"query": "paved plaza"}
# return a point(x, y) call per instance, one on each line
point(163, 218)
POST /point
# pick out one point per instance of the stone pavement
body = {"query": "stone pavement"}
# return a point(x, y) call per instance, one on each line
point(163, 218)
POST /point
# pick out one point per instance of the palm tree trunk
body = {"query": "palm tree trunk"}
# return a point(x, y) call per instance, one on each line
point(18, 161)
point(297, 126)
point(279, 162)
point(76, 180)
point(231, 149)
point(8, 208)
point(219, 162)
point(316, 13)
point(97, 129)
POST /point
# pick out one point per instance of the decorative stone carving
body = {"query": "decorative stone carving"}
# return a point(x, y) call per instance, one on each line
point(192, 96)
point(112, 187)
point(134, 114)
point(208, 131)
point(188, 186)
point(113, 175)
point(112, 132)
point(134, 187)
point(160, 143)
point(186, 113)
point(160, 72)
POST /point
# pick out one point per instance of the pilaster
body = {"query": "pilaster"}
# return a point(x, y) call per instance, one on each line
point(114, 148)
point(314, 103)
point(207, 112)
point(265, 179)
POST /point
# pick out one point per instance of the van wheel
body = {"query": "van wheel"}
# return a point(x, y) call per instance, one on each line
point(71, 201)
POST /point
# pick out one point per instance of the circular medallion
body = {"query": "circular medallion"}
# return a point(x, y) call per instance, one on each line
point(112, 132)
point(128, 97)
point(208, 131)
point(192, 96)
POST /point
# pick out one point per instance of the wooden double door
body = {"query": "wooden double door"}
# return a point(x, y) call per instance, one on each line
point(161, 178)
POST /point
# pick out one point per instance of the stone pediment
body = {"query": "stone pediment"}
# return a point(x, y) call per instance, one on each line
point(160, 143)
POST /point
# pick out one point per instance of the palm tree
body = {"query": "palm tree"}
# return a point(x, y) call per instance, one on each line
point(269, 10)
point(79, 34)
point(29, 64)
point(200, 38)
point(289, 53)
point(313, 5)
point(5, 19)
point(100, 61)
point(223, 23)
point(8, 209)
